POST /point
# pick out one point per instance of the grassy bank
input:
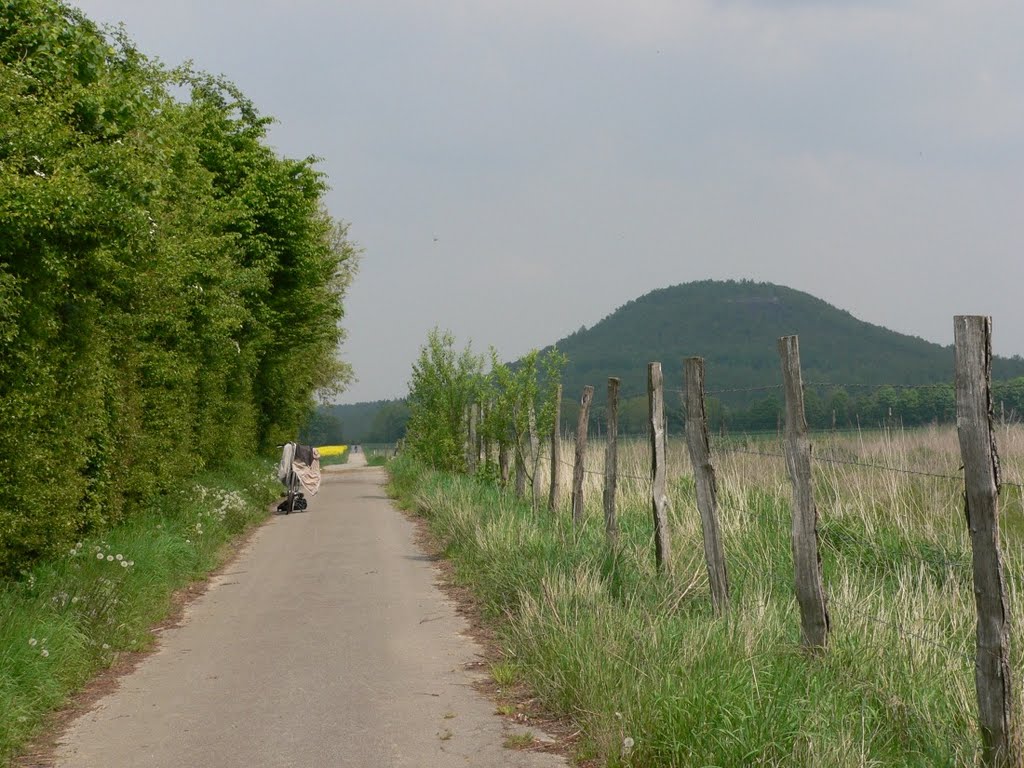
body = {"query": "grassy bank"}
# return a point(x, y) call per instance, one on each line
point(653, 678)
point(67, 618)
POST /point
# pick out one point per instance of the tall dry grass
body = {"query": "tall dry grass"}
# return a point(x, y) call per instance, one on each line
point(634, 656)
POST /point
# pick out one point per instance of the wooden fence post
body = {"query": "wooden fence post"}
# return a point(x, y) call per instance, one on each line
point(611, 463)
point(520, 468)
point(556, 451)
point(471, 460)
point(486, 435)
point(478, 444)
point(707, 487)
point(973, 366)
point(810, 592)
point(503, 462)
point(534, 458)
point(659, 497)
point(581, 447)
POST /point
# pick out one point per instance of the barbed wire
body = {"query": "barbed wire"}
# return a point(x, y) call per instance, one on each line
point(866, 385)
point(618, 476)
point(906, 634)
point(834, 384)
point(749, 453)
point(830, 534)
point(869, 465)
point(850, 462)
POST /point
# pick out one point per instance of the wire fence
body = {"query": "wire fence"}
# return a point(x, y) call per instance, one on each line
point(888, 553)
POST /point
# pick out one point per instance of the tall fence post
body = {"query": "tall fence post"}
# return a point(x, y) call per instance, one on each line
point(810, 592)
point(659, 497)
point(611, 463)
point(535, 490)
point(486, 434)
point(556, 450)
point(471, 459)
point(707, 487)
point(504, 468)
point(478, 444)
point(520, 459)
point(973, 366)
point(581, 447)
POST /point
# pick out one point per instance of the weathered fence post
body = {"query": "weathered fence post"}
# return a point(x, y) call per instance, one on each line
point(659, 497)
point(486, 435)
point(556, 450)
point(707, 487)
point(470, 413)
point(504, 468)
point(468, 420)
point(611, 463)
point(810, 592)
point(973, 366)
point(520, 467)
point(581, 447)
point(534, 458)
point(478, 444)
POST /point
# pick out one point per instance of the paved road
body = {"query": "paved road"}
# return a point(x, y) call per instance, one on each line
point(325, 644)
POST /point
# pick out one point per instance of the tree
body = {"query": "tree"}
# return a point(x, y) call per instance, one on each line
point(443, 385)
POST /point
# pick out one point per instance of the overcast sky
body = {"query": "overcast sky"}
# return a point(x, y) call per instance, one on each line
point(514, 169)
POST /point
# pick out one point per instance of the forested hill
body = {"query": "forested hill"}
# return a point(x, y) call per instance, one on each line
point(734, 326)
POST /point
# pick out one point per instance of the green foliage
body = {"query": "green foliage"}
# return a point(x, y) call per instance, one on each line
point(515, 400)
point(169, 287)
point(443, 385)
point(519, 398)
point(378, 421)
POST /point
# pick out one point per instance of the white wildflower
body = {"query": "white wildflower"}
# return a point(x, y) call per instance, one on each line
point(106, 646)
point(124, 563)
point(119, 558)
point(99, 555)
point(627, 746)
point(32, 642)
point(110, 558)
point(44, 653)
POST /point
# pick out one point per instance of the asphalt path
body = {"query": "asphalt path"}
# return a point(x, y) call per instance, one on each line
point(325, 643)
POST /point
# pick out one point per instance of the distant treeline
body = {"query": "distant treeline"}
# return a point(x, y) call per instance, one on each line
point(384, 421)
point(825, 407)
point(169, 286)
point(379, 421)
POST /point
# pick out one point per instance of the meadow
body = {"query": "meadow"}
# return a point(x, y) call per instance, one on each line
point(652, 677)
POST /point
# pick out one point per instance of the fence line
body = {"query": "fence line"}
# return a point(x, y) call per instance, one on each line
point(974, 424)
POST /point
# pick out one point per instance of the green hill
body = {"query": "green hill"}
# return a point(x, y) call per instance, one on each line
point(734, 326)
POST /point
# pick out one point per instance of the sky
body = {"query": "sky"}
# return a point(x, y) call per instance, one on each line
point(516, 169)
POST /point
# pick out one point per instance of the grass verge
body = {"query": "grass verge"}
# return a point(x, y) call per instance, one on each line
point(653, 678)
point(68, 618)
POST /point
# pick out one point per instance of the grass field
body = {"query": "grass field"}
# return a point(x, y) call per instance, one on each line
point(641, 660)
point(71, 616)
